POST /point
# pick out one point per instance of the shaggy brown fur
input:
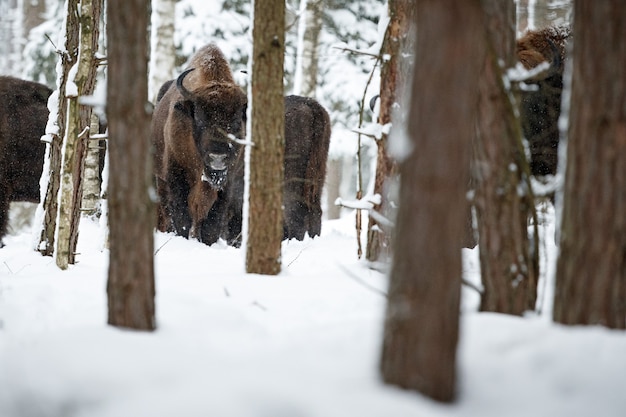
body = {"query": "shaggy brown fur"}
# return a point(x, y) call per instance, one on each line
point(541, 105)
point(307, 138)
point(194, 157)
point(23, 118)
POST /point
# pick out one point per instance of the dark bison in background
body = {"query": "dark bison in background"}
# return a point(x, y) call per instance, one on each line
point(23, 118)
point(193, 127)
point(307, 138)
point(540, 105)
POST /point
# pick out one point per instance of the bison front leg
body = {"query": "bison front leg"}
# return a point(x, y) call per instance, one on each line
point(201, 199)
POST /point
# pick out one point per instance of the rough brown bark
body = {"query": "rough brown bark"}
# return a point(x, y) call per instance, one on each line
point(422, 318)
point(508, 258)
point(132, 216)
point(265, 224)
point(392, 80)
point(591, 268)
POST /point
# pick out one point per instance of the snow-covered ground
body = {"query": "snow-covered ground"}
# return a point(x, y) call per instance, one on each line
point(303, 344)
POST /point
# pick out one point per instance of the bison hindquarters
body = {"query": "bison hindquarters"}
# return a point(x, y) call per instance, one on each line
point(307, 138)
point(23, 118)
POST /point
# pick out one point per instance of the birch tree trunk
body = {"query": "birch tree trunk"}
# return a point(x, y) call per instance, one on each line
point(422, 317)
point(591, 268)
point(91, 173)
point(51, 177)
point(504, 201)
point(130, 285)
point(77, 134)
point(265, 213)
point(162, 49)
point(309, 28)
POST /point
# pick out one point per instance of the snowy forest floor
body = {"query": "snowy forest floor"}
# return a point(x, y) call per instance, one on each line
point(305, 343)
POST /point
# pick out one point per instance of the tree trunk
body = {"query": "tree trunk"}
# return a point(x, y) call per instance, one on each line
point(422, 318)
point(591, 268)
point(91, 173)
point(51, 176)
point(393, 79)
point(162, 49)
point(265, 213)
point(309, 28)
point(33, 13)
point(77, 134)
point(333, 187)
point(508, 259)
point(132, 215)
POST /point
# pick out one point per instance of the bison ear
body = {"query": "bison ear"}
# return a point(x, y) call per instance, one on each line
point(185, 107)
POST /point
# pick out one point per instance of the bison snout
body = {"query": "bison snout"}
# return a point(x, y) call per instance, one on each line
point(217, 161)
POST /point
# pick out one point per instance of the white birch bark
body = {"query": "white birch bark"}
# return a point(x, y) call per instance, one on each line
point(162, 50)
point(309, 27)
point(71, 165)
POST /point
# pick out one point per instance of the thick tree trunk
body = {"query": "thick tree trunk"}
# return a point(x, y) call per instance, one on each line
point(591, 268)
point(508, 257)
point(265, 219)
point(393, 79)
point(422, 318)
point(132, 214)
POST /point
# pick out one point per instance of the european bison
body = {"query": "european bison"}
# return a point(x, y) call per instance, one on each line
point(541, 102)
point(307, 138)
point(23, 118)
point(193, 130)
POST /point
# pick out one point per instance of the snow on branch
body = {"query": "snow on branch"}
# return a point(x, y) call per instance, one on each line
point(520, 74)
point(374, 130)
point(367, 203)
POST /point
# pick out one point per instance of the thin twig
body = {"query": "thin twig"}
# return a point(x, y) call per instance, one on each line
point(357, 51)
point(161, 247)
point(359, 281)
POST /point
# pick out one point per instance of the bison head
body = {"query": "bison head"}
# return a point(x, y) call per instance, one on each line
point(218, 115)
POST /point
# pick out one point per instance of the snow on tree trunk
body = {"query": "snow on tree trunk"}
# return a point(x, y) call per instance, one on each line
point(162, 49)
point(504, 202)
point(393, 79)
point(81, 82)
point(55, 130)
point(265, 188)
point(132, 215)
point(591, 268)
point(422, 317)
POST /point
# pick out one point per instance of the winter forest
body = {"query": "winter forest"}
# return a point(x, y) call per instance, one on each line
point(312, 208)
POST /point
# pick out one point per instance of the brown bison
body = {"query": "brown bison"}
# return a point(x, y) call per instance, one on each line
point(194, 127)
point(540, 105)
point(23, 118)
point(307, 139)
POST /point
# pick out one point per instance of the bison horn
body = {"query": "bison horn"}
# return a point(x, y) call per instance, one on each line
point(179, 84)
